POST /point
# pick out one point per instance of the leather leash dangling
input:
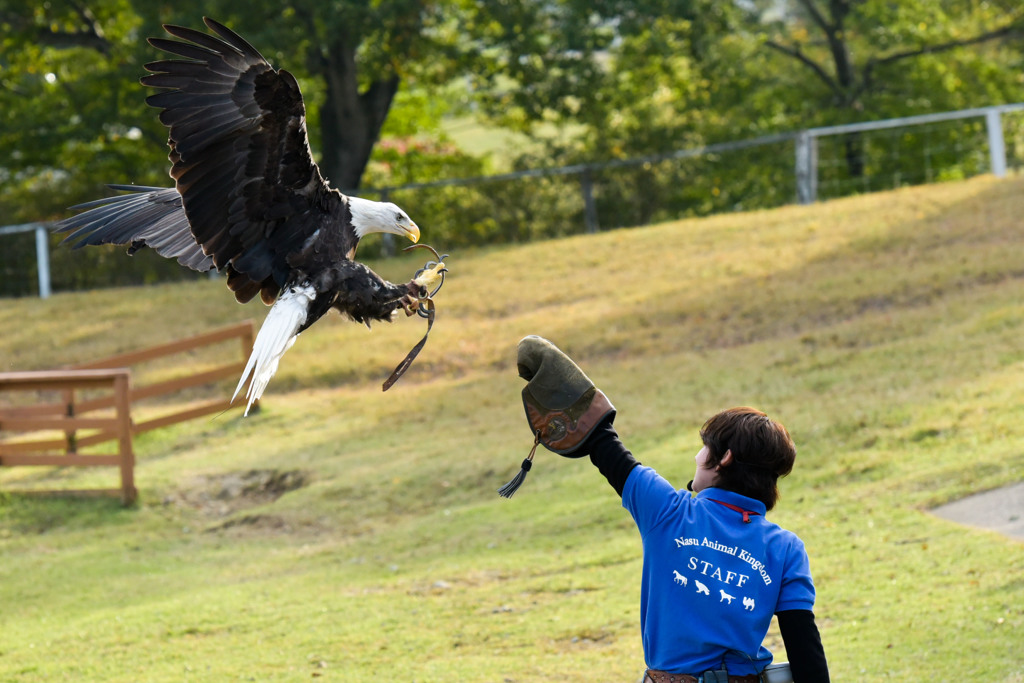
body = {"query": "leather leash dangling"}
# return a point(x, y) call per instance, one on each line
point(409, 357)
point(425, 310)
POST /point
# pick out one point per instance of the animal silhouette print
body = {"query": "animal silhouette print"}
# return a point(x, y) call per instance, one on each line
point(748, 604)
point(678, 578)
point(726, 597)
point(701, 588)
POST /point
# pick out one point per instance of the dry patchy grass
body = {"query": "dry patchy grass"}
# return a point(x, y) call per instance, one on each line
point(884, 330)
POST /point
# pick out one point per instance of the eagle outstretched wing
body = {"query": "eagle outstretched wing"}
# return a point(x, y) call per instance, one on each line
point(146, 217)
point(241, 158)
point(250, 192)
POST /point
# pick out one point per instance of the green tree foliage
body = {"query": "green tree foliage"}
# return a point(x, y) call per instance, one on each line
point(73, 118)
point(71, 98)
point(880, 58)
point(74, 112)
point(586, 80)
point(632, 79)
point(874, 59)
point(70, 101)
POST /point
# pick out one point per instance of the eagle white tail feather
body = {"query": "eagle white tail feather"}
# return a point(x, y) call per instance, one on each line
point(278, 333)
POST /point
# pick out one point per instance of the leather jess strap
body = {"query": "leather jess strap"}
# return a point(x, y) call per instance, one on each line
point(656, 676)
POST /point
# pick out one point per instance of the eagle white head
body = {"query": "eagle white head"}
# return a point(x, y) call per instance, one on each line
point(370, 216)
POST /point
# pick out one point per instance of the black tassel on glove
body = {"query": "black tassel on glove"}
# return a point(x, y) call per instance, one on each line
point(509, 489)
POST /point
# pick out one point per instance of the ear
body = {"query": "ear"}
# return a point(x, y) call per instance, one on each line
point(726, 459)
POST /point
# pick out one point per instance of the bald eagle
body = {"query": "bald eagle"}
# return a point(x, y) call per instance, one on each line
point(249, 200)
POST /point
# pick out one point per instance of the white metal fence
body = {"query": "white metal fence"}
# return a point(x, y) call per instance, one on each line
point(42, 252)
point(811, 166)
point(823, 163)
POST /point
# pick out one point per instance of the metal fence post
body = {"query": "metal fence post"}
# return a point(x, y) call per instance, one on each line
point(806, 167)
point(996, 145)
point(43, 261)
point(589, 206)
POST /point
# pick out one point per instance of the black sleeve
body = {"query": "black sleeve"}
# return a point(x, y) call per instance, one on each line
point(609, 455)
point(803, 646)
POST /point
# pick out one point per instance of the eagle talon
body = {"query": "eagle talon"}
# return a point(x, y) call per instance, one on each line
point(409, 303)
point(426, 282)
point(431, 275)
point(430, 278)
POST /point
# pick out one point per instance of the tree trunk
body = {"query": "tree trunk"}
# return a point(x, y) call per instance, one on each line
point(846, 78)
point(853, 144)
point(350, 121)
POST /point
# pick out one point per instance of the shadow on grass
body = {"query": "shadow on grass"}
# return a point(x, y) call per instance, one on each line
point(24, 513)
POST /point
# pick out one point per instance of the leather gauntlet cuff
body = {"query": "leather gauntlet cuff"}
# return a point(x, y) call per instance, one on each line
point(563, 431)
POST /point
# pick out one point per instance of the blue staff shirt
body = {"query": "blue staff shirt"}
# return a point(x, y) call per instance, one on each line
point(711, 582)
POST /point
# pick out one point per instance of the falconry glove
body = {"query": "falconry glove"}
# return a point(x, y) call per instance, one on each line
point(562, 405)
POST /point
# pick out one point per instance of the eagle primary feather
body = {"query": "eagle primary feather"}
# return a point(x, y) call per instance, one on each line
point(248, 198)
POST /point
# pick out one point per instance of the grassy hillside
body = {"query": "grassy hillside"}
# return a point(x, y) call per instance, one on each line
point(348, 534)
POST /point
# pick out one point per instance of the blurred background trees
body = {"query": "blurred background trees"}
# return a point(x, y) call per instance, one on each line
point(414, 91)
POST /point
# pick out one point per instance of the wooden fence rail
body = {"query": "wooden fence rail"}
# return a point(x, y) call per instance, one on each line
point(69, 415)
point(47, 451)
point(243, 332)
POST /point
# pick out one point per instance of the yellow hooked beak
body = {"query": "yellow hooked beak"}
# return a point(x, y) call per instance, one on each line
point(412, 231)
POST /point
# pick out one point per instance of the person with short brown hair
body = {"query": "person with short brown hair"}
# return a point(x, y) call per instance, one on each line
point(760, 447)
point(715, 570)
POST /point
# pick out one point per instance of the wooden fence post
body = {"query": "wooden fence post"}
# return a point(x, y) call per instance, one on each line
point(70, 435)
point(122, 402)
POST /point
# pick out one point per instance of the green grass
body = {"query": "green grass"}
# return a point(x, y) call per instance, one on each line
point(883, 330)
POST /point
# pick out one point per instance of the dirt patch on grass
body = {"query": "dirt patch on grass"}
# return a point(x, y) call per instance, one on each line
point(587, 639)
point(221, 495)
point(254, 523)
